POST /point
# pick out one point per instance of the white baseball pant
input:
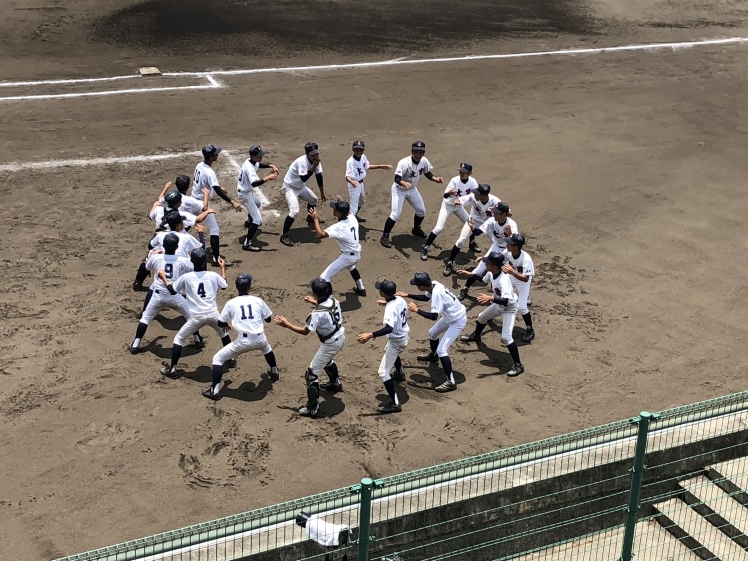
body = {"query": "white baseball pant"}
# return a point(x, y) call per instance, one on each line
point(326, 353)
point(400, 195)
point(465, 233)
point(160, 300)
point(480, 270)
point(451, 333)
point(252, 205)
point(356, 197)
point(195, 323)
point(210, 223)
point(243, 343)
point(507, 313)
point(292, 198)
point(523, 292)
point(445, 212)
point(346, 261)
point(393, 349)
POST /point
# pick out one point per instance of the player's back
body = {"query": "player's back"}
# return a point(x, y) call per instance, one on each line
point(246, 313)
point(326, 319)
point(205, 178)
point(174, 266)
point(396, 315)
point(446, 303)
point(201, 289)
point(346, 233)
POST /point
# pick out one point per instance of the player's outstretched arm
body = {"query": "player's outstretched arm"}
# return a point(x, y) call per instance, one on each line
point(203, 215)
point(388, 167)
point(163, 192)
point(319, 232)
point(283, 322)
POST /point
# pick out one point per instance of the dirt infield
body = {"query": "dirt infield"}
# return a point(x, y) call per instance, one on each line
point(626, 171)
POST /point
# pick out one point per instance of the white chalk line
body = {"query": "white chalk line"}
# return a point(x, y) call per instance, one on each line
point(91, 162)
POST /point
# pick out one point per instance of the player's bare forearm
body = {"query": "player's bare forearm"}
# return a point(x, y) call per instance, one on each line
point(206, 194)
point(352, 182)
point(283, 322)
point(163, 191)
point(387, 167)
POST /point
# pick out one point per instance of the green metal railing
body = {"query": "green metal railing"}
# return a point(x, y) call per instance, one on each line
point(602, 488)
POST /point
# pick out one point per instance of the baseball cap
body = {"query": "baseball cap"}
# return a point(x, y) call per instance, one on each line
point(311, 148)
point(386, 286)
point(483, 188)
point(358, 144)
point(174, 219)
point(465, 167)
point(418, 145)
point(515, 239)
point(341, 206)
point(211, 150)
point(244, 281)
point(173, 198)
point(501, 207)
point(421, 279)
point(493, 259)
point(256, 150)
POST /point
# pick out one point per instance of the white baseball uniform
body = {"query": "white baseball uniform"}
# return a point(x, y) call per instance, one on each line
point(245, 193)
point(396, 316)
point(201, 289)
point(411, 172)
point(186, 243)
point(449, 207)
point(247, 314)
point(326, 320)
point(501, 286)
point(206, 179)
point(524, 265)
point(452, 320)
point(356, 170)
point(479, 213)
point(188, 209)
point(174, 267)
point(345, 232)
point(494, 232)
point(294, 188)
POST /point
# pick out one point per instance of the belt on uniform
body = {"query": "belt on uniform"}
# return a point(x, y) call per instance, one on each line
point(157, 291)
point(348, 252)
point(248, 335)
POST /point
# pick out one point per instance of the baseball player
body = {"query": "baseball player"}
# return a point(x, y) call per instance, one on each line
point(246, 314)
point(459, 186)
point(396, 329)
point(451, 323)
point(176, 200)
point(502, 302)
point(409, 170)
point(201, 290)
point(174, 266)
point(345, 232)
point(480, 202)
point(294, 187)
point(519, 268)
point(326, 320)
point(248, 181)
point(496, 228)
point(355, 172)
point(203, 187)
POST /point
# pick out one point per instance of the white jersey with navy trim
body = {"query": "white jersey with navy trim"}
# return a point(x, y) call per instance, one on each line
point(205, 179)
point(186, 242)
point(446, 304)
point(201, 289)
point(411, 172)
point(174, 266)
point(299, 167)
point(345, 232)
point(246, 314)
point(356, 169)
point(326, 319)
point(396, 316)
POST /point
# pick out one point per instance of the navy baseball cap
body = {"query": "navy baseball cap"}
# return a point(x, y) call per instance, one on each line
point(501, 207)
point(174, 219)
point(465, 167)
point(494, 259)
point(341, 206)
point(256, 150)
point(483, 188)
point(386, 287)
point(418, 145)
point(421, 279)
point(311, 148)
point(358, 144)
point(515, 239)
point(210, 150)
point(244, 281)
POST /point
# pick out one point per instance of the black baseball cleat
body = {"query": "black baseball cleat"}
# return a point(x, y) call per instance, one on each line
point(250, 247)
point(425, 253)
point(399, 375)
point(273, 374)
point(418, 232)
point(133, 350)
point(360, 219)
point(360, 291)
point(137, 286)
point(516, 370)
point(472, 338)
point(428, 357)
point(285, 240)
point(385, 241)
point(391, 408)
point(474, 247)
point(215, 396)
point(528, 336)
point(170, 372)
point(230, 363)
point(448, 268)
point(247, 223)
point(332, 387)
point(309, 411)
point(199, 344)
point(463, 294)
point(446, 387)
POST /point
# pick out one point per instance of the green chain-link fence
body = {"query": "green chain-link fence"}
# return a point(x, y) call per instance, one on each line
point(661, 486)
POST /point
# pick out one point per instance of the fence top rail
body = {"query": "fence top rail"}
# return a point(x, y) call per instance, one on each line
point(347, 496)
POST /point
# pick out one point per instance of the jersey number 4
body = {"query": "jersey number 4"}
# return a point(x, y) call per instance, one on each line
point(248, 313)
point(201, 290)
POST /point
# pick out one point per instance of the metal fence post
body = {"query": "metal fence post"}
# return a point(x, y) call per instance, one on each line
point(364, 519)
point(632, 511)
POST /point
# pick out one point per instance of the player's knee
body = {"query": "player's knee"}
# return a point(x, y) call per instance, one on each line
point(218, 360)
point(507, 340)
point(293, 213)
point(523, 311)
point(420, 213)
point(394, 216)
point(384, 374)
point(310, 376)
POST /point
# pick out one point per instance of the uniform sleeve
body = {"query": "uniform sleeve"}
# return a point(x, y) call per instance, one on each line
point(185, 266)
point(528, 267)
point(389, 317)
point(506, 288)
point(178, 285)
point(194, 243)
point(252, 174)
point(487, 278)
point(467, 200)
point(437, 304)
point(333, 231)
point(221, 281)
point(152, 263)
point(427, 165)
point(402, 166)
point(349, 168)
point(227, 313)
point(513, 227)
point(365, 162)
point(485, 226)
point(156, 213)
point(213, 178)
point(318, 169)
point(311, 322)
point(266, 311)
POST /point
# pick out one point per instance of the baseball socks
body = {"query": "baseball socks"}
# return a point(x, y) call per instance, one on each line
point(139, 334)
point(474, 337)
point(517, 369)
point(273, 370)
point(215, 247)
point(394, 405)
point(449, 385)
point(251, 231)
point(427, 245)
point(388, 225)
point(470, 282)
point(529, 331)
point(176, 353)
point(287, 223)
point(213, 392)
point(140, 277)
point(360, 290)
point(417, 230)
point(334, 385)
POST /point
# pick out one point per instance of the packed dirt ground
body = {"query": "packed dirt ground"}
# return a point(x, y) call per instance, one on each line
point(625, 170)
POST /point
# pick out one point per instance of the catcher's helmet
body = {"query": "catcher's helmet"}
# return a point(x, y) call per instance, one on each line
point(199, 258)
point(244, 282)
point(171, 242)
point(173, 199)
